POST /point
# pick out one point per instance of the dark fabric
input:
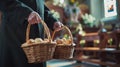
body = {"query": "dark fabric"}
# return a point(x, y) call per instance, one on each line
point(13, 29)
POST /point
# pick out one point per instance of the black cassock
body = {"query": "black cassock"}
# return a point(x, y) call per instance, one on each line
point(13, 29)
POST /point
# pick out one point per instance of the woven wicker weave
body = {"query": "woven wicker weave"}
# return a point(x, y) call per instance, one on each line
point(64, 51)
point(39, 52)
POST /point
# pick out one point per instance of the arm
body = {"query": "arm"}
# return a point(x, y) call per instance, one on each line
point(20, 10)
point(49, 19)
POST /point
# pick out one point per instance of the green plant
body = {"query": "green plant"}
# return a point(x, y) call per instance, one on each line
point(89, 19)
point(110, 41)
point(55, 14)
point(96, 42)
point(82, 42)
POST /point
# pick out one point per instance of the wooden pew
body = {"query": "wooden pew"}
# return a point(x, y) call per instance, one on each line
point(103, 59)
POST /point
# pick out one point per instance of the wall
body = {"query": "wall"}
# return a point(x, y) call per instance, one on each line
point(96, 7)
point(97, 10)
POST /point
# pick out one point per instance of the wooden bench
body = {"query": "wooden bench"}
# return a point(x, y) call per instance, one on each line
point(99, 62)
point(102, 53)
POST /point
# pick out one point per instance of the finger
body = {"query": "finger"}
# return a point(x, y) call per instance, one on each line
point(38, 18)
point(31, 17)
point(33, 21)
point(34, 18)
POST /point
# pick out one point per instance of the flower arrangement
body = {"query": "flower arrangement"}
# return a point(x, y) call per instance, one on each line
point(82, 43)
point(63, 3)
point(110, 41)
point(89, 19)
point(96, 42)
point(59, 3)
point(72, 2)
point(55, 14)
point(80, 30)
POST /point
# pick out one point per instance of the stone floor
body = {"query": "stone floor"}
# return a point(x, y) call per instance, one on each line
point(69, 63)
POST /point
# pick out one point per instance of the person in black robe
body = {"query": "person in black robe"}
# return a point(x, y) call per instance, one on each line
point(16, 14)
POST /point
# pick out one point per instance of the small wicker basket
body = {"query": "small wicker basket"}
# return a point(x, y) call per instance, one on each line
point(39, 52)
point(64, 51)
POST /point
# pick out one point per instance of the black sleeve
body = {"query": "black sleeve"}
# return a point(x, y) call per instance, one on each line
point(49, 19)
point(21, 11)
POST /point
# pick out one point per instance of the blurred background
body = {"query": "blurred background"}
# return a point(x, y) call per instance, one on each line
point(94, 24)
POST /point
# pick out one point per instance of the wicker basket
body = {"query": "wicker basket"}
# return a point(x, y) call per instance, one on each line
point(64, 51)
point(39, 52)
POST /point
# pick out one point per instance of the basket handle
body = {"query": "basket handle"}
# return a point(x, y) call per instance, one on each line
point(68, 30)
point(47, 31)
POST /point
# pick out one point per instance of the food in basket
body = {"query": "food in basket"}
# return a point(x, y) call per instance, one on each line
point(68, 41)
point(35, 41)
point(30, 41)
point(38, 40)
point(46, 40)
point(63, 41)
point(59, 41)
